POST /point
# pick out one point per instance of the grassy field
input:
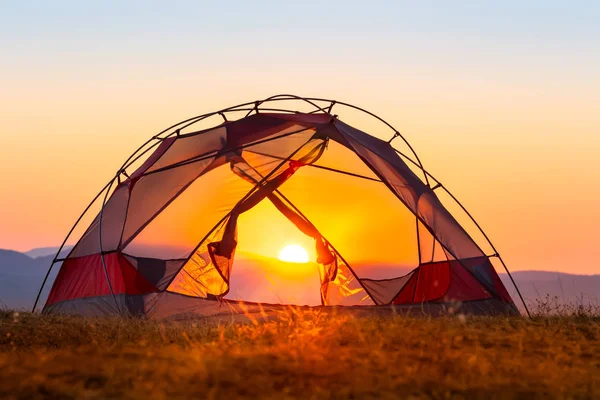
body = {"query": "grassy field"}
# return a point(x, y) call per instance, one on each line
point(300, 355)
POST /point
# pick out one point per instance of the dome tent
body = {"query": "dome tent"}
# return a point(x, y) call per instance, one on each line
point(335, 184)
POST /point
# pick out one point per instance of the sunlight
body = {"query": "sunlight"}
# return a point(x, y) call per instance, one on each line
point(293, 253)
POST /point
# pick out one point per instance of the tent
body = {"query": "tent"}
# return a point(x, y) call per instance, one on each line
point(164, 242)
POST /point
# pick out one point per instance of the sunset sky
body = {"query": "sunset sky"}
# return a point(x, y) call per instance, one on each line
point(501, 100)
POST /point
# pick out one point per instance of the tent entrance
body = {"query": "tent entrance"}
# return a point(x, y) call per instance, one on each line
point(286, 281)
point(257, 273)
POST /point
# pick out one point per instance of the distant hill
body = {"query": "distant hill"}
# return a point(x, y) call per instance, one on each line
point(19, 263)
point(46, 251)
point(21, 275)
point(567, 288)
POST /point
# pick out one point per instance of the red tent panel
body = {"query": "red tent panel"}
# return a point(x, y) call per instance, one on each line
point(433, 282)
point(85, 277)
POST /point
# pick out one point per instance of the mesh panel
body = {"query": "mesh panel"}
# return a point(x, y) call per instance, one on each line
point(431, 249)
point(463, 219)
point(446, 228)
point(152, 192)
point(337, 159)
point(426, 244)
point(199, 277)
point(285, 145)
point(254, 167)
point(113, 218)
point(175, 232)
point(341, 158)
point(344, 289)
point(222, 262)
point(188, 146)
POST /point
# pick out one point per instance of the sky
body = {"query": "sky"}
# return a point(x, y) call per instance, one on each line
point(501, 100)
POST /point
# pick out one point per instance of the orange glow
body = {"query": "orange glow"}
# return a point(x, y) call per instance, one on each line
point(528, 140)
point(270, 280)
point(293, 253)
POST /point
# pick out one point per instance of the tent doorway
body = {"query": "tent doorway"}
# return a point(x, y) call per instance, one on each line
point(258, 274)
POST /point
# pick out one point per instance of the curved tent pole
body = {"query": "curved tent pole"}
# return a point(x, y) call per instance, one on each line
point(294, 97)
point(481, 230)
point(102, 250)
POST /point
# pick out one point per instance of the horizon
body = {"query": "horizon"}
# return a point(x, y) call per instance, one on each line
point(249, 256)
point(502, 110)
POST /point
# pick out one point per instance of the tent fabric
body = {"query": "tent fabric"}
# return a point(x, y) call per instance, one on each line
point(85, 277)
point(202, 182)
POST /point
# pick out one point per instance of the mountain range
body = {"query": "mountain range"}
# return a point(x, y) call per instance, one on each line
point(21, 275)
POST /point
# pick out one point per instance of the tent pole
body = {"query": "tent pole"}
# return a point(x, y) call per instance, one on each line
point(102, 250)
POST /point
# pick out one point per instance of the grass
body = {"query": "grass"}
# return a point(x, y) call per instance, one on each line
point(303, 354)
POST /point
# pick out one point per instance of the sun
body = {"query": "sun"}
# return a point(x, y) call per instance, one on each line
point(293, 253)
